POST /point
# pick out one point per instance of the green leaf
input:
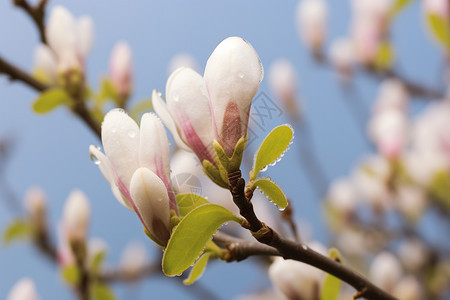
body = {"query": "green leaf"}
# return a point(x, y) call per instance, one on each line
point(272, 148)
point(397, 7)
point(107, 91)
point(100, 291)
point(440, 28)
point(331, 285)
point(97, 261)
point(385, 56)
point(198, 269)
point(18, 230)
point(187, 202)
point(190, 236)
point(71, 274)
point(50, 99)
point(439, 188)
point(140, 108)
point(271, 190)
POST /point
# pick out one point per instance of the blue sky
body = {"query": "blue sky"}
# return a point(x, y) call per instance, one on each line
point(52, 150)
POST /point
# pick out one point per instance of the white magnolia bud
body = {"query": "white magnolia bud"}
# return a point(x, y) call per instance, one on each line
point(411, 201)
point(413, 254)
point(24, 289)
point(76, 216)
point(84, 35)
point(342, 196)
point(392, 94)
point(311, 22)
point(385, 271)
point(409, 288)
point(45, 65)
point(35, 202)
point(283, 82)
point(96, 246)
point(120, 68)
point(182, 60)
point(342, 56)
point(134, 257)
point(294, 279)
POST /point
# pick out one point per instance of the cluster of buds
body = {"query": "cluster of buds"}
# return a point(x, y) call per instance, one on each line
point(201, 110)
point(61, 61)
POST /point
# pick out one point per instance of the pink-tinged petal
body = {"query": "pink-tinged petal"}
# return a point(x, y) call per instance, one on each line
point(232, 74)
point(152, 202)
point(76, 216)
point(154, 151)
point(121, 68)
point(107, 170)
point(187, 102)
point(161, 109)
point(60, 31)
point(120, 137)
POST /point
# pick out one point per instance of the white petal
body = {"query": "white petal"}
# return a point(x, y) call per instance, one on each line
point(161, 109)
point(154, 151)
point(45, 63)
point(152, 202)
point(120, 67)
point(61, 31)
point(24, 289)
point(107, 170)
point(120, 137)
point(188, 104)
point(85, 35)
point(76, 215)
point(232, 74)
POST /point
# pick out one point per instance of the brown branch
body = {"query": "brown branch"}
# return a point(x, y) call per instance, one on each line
point(37, 14)
point(297, 251)
point(79, 107)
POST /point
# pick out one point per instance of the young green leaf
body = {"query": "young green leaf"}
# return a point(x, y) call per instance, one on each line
point(190, 236)
point(97, 261)
point(198, 269)
point(397, 7)
point(17, 230)
point(331, 285)
point(140, 108)
point(107, 91)
point(385, 56)
point(187, 202)
point(71, 274)
point(272, 148)
point(440, 29)
point(100, 291)
point(50, 99)
point(271, 190)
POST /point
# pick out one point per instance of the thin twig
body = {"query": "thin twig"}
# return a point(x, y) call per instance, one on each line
point(37, 14)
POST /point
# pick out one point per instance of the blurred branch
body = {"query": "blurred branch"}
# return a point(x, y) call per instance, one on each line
point(292, 250)
point(79, 108)
point(36, 13)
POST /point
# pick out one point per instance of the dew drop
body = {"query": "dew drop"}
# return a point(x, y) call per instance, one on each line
point(113, 130)
point(305, 247)
point(95, 159)
point(131, 133)
point(241, 75)
point(264, 169)
point(176, 97)
point(281, 209)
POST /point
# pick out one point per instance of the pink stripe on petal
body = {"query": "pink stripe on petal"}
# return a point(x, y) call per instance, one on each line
point(162, 175)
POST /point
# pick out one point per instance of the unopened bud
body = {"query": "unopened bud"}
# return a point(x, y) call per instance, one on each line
point(385, 271)
point(24, 289)
point(120, 68)
point(76, 216)
point(134, 257)
point(311, 22)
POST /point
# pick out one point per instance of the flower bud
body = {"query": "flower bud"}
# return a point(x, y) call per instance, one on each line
point(76, 216)
point(35, 202)
point(385, 271)
point(342, 197)
point(283, 82)
point(120, 69)
point(182, 60)
point(232, 76)
point(411, 202)
point(391, 95)
point(45, 65)
point(388, 129)
point(408, 288)
point(311, 22)
point(136, 162)
point(24, 289)
point(414, 254)
point(134, 257)
point(342, 56)
point(295, 280)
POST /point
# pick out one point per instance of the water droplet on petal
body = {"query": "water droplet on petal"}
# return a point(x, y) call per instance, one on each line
point(131, 133)
point(113, 130)
point(264, 169)
point(95, 159)
point(241, 75)
point(281, 209)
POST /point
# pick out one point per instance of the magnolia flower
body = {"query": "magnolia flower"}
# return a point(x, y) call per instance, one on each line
point(385, 271)
point(182, 60)
point(45, 65)
point(76, 216)
point(133, 258)
point(311, 22)
point(70, 39)
point(391, 95)
point(136, 165)
point(24, 289)
point(283, 81)
point(35, 203)
point(296, 280)
point(120, 68)
point(232, 77)
point(186, 113)
point(186, 172)
point(388, 129)
point(409, 288)
point(342, 56)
